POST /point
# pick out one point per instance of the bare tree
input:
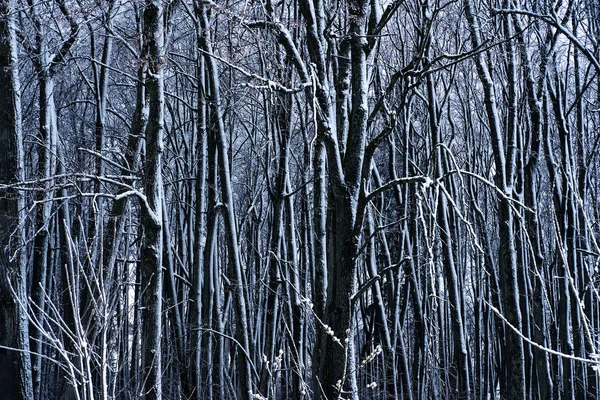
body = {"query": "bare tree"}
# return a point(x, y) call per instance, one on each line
point(15, 358)
point(152, 217)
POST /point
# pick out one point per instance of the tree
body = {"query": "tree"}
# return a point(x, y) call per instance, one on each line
point(15, 359)
point(152, 217)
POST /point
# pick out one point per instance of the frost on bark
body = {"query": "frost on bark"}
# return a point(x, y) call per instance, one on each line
point(152, 246)
point(15, 365)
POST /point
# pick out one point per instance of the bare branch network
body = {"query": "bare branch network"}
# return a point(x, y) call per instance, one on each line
point(337, 200)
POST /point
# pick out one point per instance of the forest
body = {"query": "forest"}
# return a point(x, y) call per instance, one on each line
point(299, 199)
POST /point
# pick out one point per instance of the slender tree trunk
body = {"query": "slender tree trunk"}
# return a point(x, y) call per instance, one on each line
point(234, 259)
point(44, 206)
point(202, 266)
point(460, 365)
point(512, 384)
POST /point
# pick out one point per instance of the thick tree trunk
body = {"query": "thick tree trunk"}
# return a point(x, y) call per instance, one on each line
point(152, 221)
point(15, 365)
point(336, 371)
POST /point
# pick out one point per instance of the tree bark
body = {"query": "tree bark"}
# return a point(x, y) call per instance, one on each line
point(15, 361)
point(152, 221)
point(234, 260)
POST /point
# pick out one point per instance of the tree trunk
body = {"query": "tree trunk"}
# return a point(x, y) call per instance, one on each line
point(234, 260)
point(152, 246)
point(15, 365)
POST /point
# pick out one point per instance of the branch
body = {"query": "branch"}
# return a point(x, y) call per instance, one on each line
point(234, 340)
point(539, 346)
point(285, 39)
point(270, 84)
point(387, 16)
point(376, 278)
point(493, 186)
point(399, 181)
point(107, 160)
point(60, 56)
point(552, 20)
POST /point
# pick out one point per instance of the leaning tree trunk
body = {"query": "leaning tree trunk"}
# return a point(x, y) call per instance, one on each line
point(15, 365)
